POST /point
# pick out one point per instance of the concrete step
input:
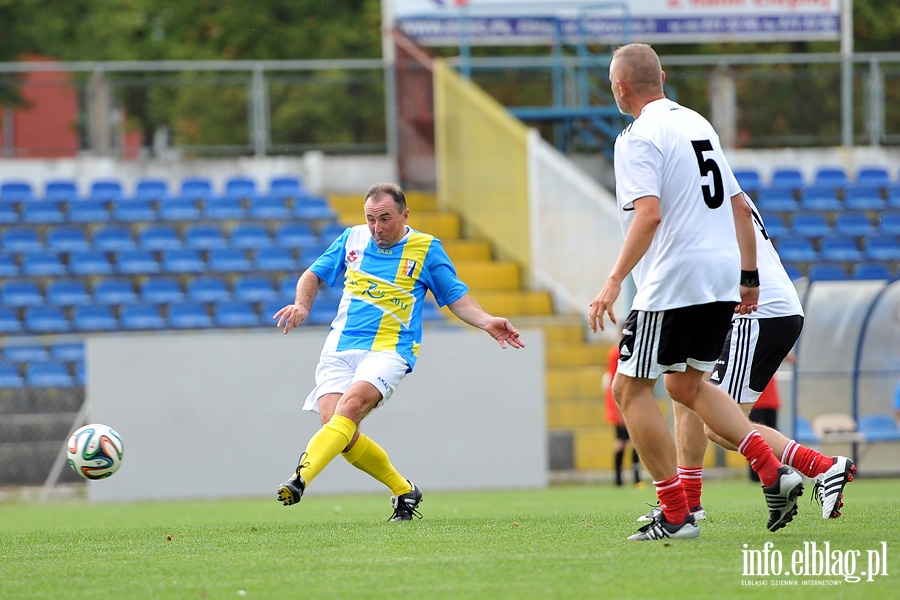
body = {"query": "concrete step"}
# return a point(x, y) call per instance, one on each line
point(572, 413)
point(416, 201)
point(574, 382)
point(444, 226)
point(514, 303)
point(569, 354)
point(466, 249)
point(489, 275)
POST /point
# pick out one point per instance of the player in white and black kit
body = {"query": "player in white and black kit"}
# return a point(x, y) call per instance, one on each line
point(753, 351)
point(690, 246)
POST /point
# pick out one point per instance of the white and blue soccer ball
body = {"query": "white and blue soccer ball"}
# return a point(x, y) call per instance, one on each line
point(95, 451)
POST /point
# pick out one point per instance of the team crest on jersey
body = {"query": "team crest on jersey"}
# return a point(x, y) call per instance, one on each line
point(352, 256)
point(410, 267)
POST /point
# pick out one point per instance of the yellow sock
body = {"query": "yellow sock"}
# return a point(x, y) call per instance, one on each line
point(326, 444)
point(367, 456)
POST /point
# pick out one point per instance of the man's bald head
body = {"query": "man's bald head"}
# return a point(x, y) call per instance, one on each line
point(636, 77)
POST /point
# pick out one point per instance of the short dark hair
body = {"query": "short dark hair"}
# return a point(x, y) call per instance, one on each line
point(391, 189)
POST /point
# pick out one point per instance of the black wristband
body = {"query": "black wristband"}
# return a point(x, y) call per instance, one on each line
point(750, 278)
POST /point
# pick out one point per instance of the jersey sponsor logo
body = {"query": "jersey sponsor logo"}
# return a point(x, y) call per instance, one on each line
point(382, 294)
point(387, 251)
point(410, 267)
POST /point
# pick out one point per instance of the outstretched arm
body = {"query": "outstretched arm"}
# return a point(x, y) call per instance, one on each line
point(469, 311)
point(293, 315)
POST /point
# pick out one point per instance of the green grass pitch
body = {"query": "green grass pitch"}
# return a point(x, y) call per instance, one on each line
point(562, 542)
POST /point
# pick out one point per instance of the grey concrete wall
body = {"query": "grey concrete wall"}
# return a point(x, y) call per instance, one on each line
point(218, 415)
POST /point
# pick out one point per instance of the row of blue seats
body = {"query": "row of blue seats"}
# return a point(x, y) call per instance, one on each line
point(145, 316)
point(91, 210)
point(42, 374)
point(163, 236)
point(831, 177)
point(829, 271)
point(837, 248)
point(155, 189)
point(816, 224)
point(149, 262)
point(63, 351)
point(817, 199)
point(120, 290)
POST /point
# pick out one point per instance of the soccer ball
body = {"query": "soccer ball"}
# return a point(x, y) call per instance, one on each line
point(95, 451)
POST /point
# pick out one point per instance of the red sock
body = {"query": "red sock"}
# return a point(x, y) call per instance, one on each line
point(672, 500)
point(806, 460)
point(759, 455)
point(692, 480)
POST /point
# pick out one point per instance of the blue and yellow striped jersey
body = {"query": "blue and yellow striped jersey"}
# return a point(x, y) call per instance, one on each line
point(384, 289)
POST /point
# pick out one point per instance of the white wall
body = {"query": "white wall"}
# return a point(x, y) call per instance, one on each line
point(218, 415)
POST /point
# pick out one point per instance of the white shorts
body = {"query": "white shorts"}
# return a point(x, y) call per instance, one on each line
point(336, 371)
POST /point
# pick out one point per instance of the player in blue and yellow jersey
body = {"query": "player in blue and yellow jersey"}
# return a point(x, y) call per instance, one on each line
point(387, 269)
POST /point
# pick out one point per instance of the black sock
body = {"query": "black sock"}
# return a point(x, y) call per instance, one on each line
point(636, 465)
point(620, 455)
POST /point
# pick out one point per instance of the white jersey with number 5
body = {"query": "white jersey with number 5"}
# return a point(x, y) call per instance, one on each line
point(673, 153)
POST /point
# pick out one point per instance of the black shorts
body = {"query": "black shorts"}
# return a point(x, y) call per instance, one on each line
point(622, 433)
point(654, 343)
point(752, 353)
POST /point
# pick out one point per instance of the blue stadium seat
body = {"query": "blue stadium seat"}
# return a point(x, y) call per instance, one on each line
point(204, 236)
point(826, 271)
point(871, 270)
point(67, 351)
point(46, 319)
point(235, 314)
point(321, 313)
point(773, 200)
point(240, 188)
point(136, 262)
point(20, 239)
point(287, 287)
point(268, 208)
point(94, 318)
point(198, 189)
point(268, 309)
point(68, 292)
point(775, 224)
point(286, 187)
point(21, 292)
point(893, 197)
point(314, 209)
point(10, 378)
point(250, 236)
point(89, 262)
point(881, 247)
point(863, 198)
point(224, 208)
point(839, 248)
point(853, 224)
point(834, 178)
point(820, 199)
point(227, 260)
point(8, 213)
point(331, 232)
point(189, 315)
point(142, 316)
point(873, 177)
point(208, 288)
point(26, 353)
point(254, 288)
point(42, 212)
point(114, 290)
point(787, 178)
point(161, 290)
point(48, 373)
point(879, 428)
point(43, 263)
point(89, 211)
point(159, 237)
point(8, 265)
point(296, 235)
point(889, 222)
point(185, 260)
point(134, 210)
point(274, 259)
point(178, 209)
point(9, 321)
point(67, 238)
point(804, 432)
point(796, 249)
point(749, 180)
point(113, 238)
point(155, 190)
point(16, 192)
point(106, 190)
point(810, 225)
point(80, 378)
point(63, 190)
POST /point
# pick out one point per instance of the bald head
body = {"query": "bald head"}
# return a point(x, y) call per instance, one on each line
point(636, 77)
